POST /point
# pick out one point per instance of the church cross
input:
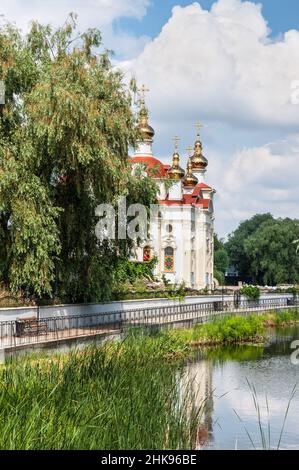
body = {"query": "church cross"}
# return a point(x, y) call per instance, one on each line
point(142, 92)
point(198, 126)
point(176, 140)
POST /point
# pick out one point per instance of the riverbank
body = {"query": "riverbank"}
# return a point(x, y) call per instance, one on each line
point(120, 395)
point(235, 329)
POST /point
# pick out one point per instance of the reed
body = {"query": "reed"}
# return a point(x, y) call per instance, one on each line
point(117, 396)
point(225, 330)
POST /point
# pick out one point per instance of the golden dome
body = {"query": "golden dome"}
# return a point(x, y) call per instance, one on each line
point(175, 172)
point(143, 126)
point(198, 161)
point(190, 180)
point(146, 130)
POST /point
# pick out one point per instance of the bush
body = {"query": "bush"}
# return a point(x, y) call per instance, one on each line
point(230, 329)
point(251, 292)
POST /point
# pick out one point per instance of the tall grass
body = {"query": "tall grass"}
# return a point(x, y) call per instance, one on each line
point(117, 396)
point(265, 431)
point(234, 329)
point(283, 317)
point(225, 330)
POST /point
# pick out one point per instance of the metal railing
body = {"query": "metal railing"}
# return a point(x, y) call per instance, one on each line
point(31, 331)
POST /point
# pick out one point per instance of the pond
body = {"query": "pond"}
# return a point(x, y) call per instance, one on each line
point(246, 392)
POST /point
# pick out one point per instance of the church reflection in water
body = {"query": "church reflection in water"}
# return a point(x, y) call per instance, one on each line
point(197, 393)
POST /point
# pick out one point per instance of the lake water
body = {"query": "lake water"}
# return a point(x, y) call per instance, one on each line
point(223, 377)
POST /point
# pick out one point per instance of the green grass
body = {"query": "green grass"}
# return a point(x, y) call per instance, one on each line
point(117, 396)
point(283, 317)
point(234, 329)
point(121, 395)
point(225, 330)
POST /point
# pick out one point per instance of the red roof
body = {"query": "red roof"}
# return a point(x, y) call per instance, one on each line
point(204, 203)
point(188, 200)
point(157, 169)
point(199, 187)
point(154, 167)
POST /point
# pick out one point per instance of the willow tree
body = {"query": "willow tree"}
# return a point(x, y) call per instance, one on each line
point(65, 132)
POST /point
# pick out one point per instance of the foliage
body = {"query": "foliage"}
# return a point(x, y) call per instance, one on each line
point(272, 252)
point(219, 243)
point(251, 292)
point(117, 396)
point(227, 329)
point(236, 242)
point(219, 276)
point(65, 131)
point(263, 248)
point(221, 260)
point(132, 271)
point(282, 318)
point(177, 291)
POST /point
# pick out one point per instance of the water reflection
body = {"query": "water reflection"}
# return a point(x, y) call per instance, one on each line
point(220, 378)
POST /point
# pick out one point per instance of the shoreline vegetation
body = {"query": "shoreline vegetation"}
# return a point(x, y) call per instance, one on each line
point(119, 395)
point(235, 329)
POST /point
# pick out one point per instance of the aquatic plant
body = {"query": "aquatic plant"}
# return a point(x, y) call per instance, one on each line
point(265, 428)
point(121, 395)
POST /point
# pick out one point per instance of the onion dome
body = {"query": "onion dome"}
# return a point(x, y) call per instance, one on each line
point(190, 180)
point(143, 126)
point(199, 162)
point(175, 172)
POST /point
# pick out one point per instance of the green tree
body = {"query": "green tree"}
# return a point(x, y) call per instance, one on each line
point(238, 255)
point(221, 260)
point(272, 252)
point(65, 132)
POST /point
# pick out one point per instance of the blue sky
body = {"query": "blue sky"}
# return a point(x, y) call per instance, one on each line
point(216, 62)
point(281, 15)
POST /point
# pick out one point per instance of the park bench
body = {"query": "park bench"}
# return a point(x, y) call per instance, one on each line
point(30, 326)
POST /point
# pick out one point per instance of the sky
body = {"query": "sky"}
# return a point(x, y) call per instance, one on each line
point(232, 64)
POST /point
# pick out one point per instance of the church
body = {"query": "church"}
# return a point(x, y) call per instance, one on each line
point(181, 234)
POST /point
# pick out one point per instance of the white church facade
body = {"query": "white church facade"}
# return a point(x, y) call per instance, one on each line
point(181, 233)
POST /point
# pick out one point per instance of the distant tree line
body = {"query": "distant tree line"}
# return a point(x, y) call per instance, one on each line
point(262, 248)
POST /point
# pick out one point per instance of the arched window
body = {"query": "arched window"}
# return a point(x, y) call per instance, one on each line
point(146, 254)
point(169, 228)
point(169, 260)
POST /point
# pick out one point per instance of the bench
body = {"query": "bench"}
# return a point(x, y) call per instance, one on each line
point(30, 327)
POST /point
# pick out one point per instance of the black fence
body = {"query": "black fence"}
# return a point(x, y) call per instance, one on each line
point(32, 330)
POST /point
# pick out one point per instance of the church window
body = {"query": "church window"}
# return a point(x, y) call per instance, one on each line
point(169, 228)
point(146, 254)
point(169, 259)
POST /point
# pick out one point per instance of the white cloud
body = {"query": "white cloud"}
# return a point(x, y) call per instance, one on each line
point(222, 65)
point(91, 13)
point(219, 66)
point(259, 179)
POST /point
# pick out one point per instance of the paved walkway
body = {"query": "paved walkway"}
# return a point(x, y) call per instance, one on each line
point(146, 320)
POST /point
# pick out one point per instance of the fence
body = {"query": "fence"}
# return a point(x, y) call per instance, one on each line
point(32, 330)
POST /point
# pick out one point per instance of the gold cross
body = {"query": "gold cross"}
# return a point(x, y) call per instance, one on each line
point(198, 126)
point(189, 150)
point(176, 140)
point(142, 91)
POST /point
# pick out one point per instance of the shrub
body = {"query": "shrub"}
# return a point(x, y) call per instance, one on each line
point(251, 292)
